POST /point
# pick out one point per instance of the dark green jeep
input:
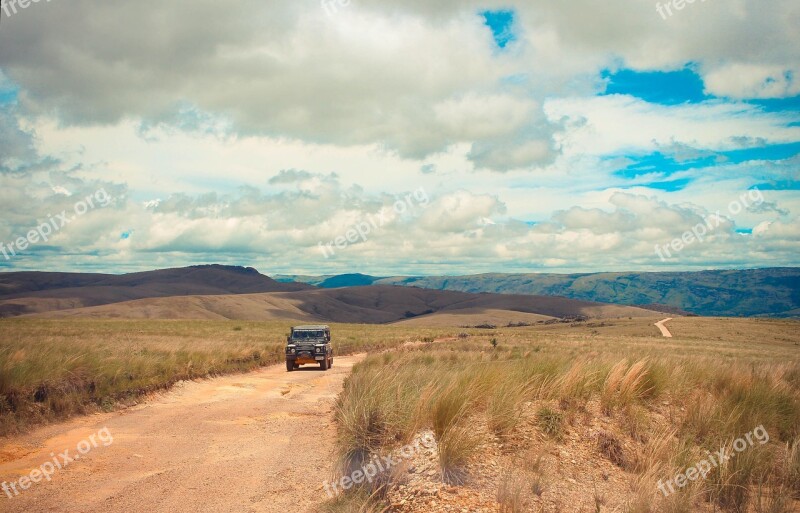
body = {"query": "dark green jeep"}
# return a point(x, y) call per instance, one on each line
point(309, 344)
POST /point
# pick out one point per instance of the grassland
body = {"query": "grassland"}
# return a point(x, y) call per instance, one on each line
point(52, 369)
point(578, 416)
point(635, 407)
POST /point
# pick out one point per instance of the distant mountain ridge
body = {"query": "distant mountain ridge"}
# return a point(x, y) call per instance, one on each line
point(347, 280)
point(331, 281)
point(758, 292)
point(773, 292)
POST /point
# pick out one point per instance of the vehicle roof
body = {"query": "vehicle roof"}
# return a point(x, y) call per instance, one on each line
point(311, 327)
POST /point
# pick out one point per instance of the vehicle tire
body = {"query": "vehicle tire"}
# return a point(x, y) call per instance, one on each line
point(289, 366)
point(323, 365)
point(330, 364)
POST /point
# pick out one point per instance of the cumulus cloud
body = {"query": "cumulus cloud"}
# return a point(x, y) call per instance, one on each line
point(766, 207)
point(16, 144)
point(256, 131)
point(289, 176)
point(410, 84)
point(739, 80)
point(615, 124)
point(460, 211)
point(412, 78)
point(282, 230)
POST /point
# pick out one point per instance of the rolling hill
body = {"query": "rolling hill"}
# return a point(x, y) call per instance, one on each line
point(32, 292)
point(367, 305)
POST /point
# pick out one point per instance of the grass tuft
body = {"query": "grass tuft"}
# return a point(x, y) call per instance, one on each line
point(551, 422)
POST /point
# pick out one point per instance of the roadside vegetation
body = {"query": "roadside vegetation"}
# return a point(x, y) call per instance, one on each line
point(646, 408)
point(53, 369)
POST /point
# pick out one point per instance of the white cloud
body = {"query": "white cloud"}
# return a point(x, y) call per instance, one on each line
point(618, 123)
point(459, 212)
point(262, 129)
point(753, 81)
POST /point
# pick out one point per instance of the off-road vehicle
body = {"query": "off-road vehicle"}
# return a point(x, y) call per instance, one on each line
point(309, 344)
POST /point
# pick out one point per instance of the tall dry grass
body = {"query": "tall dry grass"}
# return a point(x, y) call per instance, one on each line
point(52, 369)
point(473, 388)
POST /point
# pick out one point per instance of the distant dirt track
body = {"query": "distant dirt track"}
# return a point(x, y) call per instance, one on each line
point(664, 330)
point(258, 442)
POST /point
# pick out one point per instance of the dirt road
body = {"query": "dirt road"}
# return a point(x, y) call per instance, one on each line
point(664, 330)
point(258, 442)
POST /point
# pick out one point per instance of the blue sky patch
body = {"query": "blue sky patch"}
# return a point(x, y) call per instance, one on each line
point(667, 164)
point(8, 97)
point(659, 163)
point(9, 91)
point(772, 152)
point(501, 24)
point(668, 186)
point(661, 87)
point(779, 105)
point(780, 185)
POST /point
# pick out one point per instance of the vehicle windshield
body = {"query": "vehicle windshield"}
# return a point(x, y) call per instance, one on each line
point(300, 335)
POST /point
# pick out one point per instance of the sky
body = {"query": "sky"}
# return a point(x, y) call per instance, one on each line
point(400, 137)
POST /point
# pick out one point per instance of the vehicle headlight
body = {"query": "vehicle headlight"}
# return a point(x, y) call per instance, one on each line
point(320, 349)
